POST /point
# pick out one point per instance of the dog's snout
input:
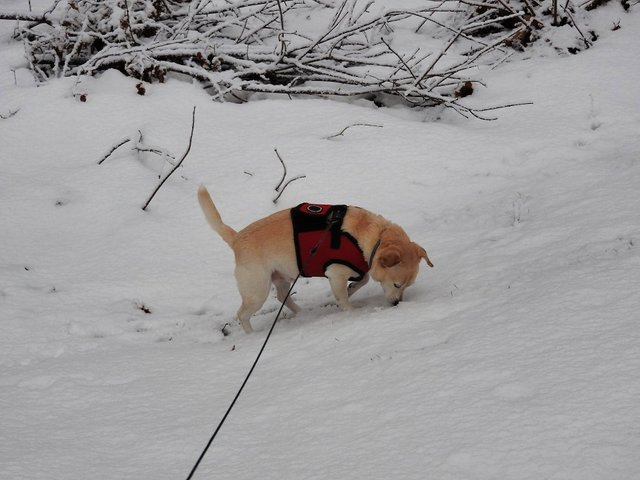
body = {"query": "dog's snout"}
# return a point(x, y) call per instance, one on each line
point(395, 302)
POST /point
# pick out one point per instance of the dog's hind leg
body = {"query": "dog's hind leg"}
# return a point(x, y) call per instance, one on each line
point(254, 288)
point(282, 289)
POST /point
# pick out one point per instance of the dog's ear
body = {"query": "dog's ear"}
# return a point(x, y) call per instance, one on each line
point(389, 257)
point(422, 253)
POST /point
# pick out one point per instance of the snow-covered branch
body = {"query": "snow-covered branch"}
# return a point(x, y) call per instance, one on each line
point(292, 47)
point(23, 16)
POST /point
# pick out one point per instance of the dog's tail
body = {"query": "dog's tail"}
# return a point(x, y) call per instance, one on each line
point(227, 233)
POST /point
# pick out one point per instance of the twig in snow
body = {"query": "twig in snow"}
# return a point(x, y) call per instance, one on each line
point(161, 152)
point(113, 149)
point(575, 25)
point(284, 168)
point(9, 115)
point(341, 132)
point(275, 200)
point(193, 124)
point(282, 185)
point(475, 111)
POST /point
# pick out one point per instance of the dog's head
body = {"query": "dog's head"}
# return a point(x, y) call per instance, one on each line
point(396, 265)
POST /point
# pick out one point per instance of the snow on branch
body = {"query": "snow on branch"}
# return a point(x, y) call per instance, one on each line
point(290, 47)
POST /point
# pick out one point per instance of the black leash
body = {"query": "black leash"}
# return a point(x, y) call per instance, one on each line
point(264, 344)
point(333, 223)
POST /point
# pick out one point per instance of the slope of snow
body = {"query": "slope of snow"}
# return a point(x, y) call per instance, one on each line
point(517, 356)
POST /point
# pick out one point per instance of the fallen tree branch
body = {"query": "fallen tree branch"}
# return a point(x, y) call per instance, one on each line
point(24, 16)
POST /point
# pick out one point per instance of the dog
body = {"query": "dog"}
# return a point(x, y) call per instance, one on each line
point(342, 243)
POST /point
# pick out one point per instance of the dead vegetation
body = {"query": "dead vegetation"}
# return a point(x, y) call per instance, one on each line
point(292, 47)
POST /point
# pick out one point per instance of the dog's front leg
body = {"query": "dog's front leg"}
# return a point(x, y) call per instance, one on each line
point(338, 276)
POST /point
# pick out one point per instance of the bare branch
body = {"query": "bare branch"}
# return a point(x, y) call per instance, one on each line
point(275, 200)
point(284, 170)
point(341, 132)
point(282, 185)
point(281, 15)
point(587, 43)
point(193, 124)
point(113, 149)
point(24, 16)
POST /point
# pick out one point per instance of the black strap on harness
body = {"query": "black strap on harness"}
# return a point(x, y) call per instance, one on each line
point(334, 223)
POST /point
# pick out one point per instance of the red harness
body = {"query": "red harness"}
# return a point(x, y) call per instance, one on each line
point(321, 242)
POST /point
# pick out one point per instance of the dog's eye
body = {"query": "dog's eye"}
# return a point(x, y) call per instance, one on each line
point(397, 285)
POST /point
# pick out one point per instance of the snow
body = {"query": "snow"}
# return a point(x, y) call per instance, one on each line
point(516, 357)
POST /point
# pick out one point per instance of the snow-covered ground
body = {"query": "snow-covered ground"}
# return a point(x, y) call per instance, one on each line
point(516, 357)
